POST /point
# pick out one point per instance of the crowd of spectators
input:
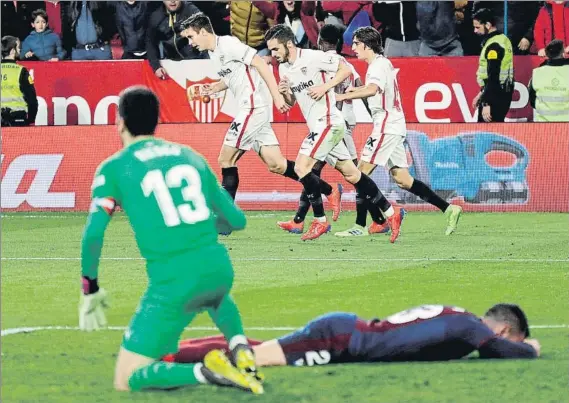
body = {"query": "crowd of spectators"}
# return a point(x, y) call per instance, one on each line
point(100, 30)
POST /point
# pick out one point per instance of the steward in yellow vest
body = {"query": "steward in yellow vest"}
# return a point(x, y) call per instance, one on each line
point(549, 86)
point(19, 102)
point(495, 74)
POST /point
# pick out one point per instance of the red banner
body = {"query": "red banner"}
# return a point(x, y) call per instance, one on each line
point(489, 167)
point(433, 90)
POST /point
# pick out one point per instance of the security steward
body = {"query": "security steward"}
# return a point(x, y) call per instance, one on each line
point(19, 102)
point(549, 86)
point(495, 73)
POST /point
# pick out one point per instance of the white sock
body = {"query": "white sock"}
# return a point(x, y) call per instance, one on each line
point(236, 340)
point(321, 219)
point(198, 373)
point(389, 212)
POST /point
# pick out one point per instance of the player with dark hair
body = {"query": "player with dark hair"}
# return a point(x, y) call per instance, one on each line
point(306, 78)
point(175, 207)
point(424, 333)
point(252, 83)
point(385, 145)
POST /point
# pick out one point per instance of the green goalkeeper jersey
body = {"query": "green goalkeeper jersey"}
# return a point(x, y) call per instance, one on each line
point(170, 195)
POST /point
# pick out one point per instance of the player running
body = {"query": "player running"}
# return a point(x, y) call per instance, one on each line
point(305, 78)
point(176, 207)
point(252, 83)
point(424, 333)
point(330, 41)
point(385, 144)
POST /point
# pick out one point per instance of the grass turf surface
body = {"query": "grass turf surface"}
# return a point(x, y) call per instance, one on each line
point(282, 282)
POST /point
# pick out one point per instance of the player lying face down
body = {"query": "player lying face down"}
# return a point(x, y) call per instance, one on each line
point(424, 333)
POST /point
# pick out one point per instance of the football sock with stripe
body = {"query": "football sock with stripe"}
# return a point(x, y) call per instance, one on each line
point(311, 184)
point(365, 186)
point(304, 203)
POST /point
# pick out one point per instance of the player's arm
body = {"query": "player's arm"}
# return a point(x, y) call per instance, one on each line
point(210, 89)
point(499, 347)
point(483, 339)
point(359, 83)
point(267, 75)
point(363, 92)
point(229, 216)
point(494, 55)
point(342, 72)
point(93, 298)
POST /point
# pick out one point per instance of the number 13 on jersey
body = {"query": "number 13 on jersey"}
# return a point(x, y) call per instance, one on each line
point(194, 211)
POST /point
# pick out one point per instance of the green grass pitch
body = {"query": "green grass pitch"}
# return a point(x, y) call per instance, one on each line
point(282, 282)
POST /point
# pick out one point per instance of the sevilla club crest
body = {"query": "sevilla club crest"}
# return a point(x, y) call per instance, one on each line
point(205, 107)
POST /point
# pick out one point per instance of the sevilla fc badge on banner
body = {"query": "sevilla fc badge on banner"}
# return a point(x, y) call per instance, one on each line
point(205, 106)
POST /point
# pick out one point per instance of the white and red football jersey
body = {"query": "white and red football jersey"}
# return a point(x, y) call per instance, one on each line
point(310, 69)
point(232, 61)
point(385, 106)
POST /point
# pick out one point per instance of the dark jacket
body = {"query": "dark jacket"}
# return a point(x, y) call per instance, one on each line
point(160, 31)
point(436, 23)
point(102, 17)
point(131, 21)
point(521, 18)
point(44, 45)
point(398, 19)
point(16, 21)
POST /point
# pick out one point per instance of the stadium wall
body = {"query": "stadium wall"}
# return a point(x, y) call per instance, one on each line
point(486, 167)
point(433, 90)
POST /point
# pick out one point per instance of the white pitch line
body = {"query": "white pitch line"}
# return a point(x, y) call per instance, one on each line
point(18, 330)
point(338, 259)
point(15, 216)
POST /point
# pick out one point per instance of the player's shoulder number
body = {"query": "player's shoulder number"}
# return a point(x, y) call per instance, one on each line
point(188, 180)
point(421, 312)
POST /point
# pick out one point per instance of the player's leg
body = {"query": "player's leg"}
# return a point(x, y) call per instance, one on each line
point(236, 142)
point(400, 173)
point(296, 225)
point(228, 157)
point(366, 186)
point(379, 223)
point(324, 340)
point(152, 333)
point(195, 349)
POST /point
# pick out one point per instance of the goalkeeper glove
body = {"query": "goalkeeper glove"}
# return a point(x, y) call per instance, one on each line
point(91, 314)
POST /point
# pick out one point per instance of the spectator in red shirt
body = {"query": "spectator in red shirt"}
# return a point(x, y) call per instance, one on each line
point(53, 10)
point(552, 23)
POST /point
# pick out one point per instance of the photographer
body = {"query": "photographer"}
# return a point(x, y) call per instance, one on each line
point(19, 102)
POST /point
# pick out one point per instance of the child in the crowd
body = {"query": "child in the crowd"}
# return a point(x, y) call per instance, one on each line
point(42, 43)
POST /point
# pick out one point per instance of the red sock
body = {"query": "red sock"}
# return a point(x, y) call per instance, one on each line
point(194, 350)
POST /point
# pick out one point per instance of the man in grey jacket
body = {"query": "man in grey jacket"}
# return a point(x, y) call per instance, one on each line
point(438, 29)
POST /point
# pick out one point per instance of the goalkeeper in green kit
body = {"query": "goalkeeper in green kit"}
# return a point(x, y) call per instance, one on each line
point(176, 209)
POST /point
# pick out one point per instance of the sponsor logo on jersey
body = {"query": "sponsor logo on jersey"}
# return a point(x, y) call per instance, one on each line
point(224, 72)
point(302, 86)
point(234, 129)
point(370, 143)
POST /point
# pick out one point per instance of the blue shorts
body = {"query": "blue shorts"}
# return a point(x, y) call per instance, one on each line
point(324, 340)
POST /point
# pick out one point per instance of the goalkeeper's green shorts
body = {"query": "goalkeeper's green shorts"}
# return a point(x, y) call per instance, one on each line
point(169, 305)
